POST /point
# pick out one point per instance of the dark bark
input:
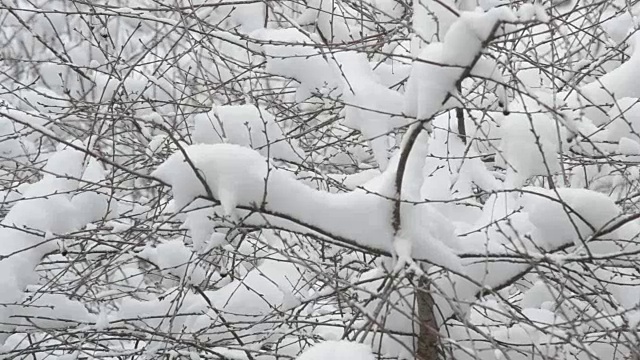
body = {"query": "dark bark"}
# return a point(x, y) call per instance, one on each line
point(462, 132)
point(429, 339)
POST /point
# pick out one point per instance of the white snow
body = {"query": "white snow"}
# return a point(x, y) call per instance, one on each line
point(290, 53)
point(371, 107)
point(474, 223)
point(46, 208)
point(529, 143)
point(246, 299)
point(616, 84)
point(338, 350)
point(238, 176)
point(173, 257)
point(577, 215)
point(246, 125)
point(53, 311)
point(441, 64)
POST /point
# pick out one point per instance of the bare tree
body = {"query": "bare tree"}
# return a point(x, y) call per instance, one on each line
point(382, 179)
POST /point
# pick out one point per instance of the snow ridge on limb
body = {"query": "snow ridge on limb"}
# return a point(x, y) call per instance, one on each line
point(548, 222)
point(47, 210)
point(346, 76)
point(434, 77)
point(440, 66)
point(241, 180)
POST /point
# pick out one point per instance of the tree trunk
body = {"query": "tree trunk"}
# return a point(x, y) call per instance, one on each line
point(429, 338)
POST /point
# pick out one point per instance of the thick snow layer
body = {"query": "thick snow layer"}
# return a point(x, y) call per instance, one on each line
point(624, 120)
point(529, 143)
point(540, 220)
point(619, 24)
point(538, 294)
point(570, 215)
point(548, 340)
point(291, 54)
point(250, 297)
point(340, 22)
point(39, 99)
point(241, 177)
point(16, 140)
point(441, 64)
point(398, 305)
point(431, 20)
point(622, 283)
point(46, 209)
point(173, 257)
point(200, 224)
point(336, 21)
point(353, 181)
point(51, 311)
point(54, 213)
point(392, 73)
point(338, 350)
point(94, 205)
point(245, 125)
point(247, 300)
point(243, 17)
point(616, 84)
point(451, 171)
point(371, 107)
